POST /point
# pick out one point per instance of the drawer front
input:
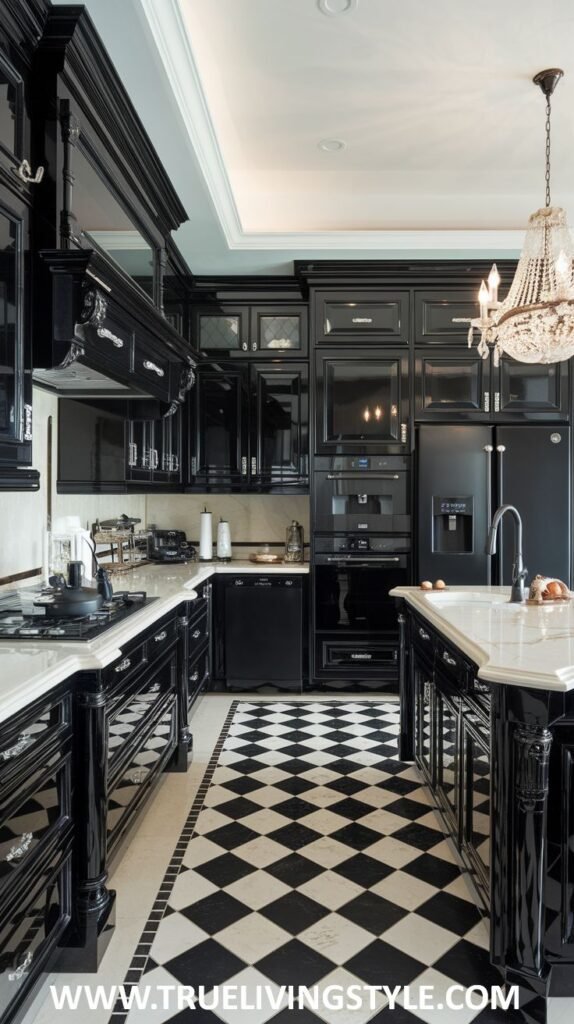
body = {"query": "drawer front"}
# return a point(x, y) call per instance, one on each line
point(152, 370)
point(423, 638)
point(452, 664)
point(197, 679)
point(143, 766)
point(369, 317)
point(139, 705)
point(198, 634)
point(22, 741)
point(30, 816)
point(359, 657)
point(435, 311)
point(110, 338)
point(162, 637)
point(28, 934)
point(116, 677)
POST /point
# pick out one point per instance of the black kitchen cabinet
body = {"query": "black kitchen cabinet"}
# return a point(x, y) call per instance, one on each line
point(377, 317)
point(448, 749)
point(423, 691)
point(435, 310)
point(153, 449)
point(457, 385)
point(361, 401)
point(249, 427)
point(475, 766)
point(232, 330)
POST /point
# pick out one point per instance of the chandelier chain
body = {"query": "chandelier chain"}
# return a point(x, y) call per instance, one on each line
point(547, 173)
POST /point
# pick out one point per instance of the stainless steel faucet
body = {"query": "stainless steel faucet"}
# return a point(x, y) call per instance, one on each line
point(518, 569)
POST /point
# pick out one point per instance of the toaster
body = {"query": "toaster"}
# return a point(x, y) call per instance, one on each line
point(169, 546)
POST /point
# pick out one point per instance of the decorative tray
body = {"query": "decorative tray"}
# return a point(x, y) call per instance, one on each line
point(266, 559)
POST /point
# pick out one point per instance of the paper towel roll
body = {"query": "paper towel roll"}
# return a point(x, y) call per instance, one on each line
point(205, 537)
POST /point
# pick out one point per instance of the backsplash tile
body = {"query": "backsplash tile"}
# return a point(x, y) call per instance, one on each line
point(253, 518)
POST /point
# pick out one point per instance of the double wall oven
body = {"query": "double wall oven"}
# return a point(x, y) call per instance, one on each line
point(361, 549)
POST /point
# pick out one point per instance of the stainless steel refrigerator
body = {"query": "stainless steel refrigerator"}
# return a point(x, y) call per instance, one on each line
point(464, 472)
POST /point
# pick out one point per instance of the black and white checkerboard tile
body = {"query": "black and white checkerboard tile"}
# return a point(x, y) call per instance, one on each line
point(314, 858)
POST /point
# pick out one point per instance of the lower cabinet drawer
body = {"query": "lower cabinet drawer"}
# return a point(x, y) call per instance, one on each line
point(197, 678)
point(161, 638)
point(29, 932)
point(198, 633)
point(369, 657)
point(30, 815)
point(129, 715)
point(142, 768)
point(24, 740)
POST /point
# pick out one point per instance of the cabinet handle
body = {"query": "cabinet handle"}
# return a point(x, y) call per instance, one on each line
point(22, 742)
point(194, 677)
point(423, 633)
point(404, 434)
point(148, 365)
point(244, 346)
point(160, 636)
point(123, 665)
point(497, 401)
point(487, 401)
point(426, 691)
point(104, 332)
point(361, 656)
point(448, 658)
point(196, 634)
point(132, 454)
point(154, 458)
point(194, 466)
point(244, 465)
point(137, 776)
point(22, 969)
point(254, 466)
point(24, 172)
point(362, 320)
point(15, 852)
point(359, 476)
point(254, 346)
point(27, 422)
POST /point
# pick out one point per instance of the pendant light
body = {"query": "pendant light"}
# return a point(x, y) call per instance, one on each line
point(535, 322)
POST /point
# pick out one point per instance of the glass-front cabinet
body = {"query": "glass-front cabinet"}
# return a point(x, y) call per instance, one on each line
point(218, 428)
point(279, 424)
point(241, 330)
point(362, 401)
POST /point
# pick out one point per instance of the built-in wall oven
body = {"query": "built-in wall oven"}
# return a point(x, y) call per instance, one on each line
point(355, 620)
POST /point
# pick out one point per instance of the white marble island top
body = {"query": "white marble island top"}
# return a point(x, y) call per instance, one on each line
point(518, 644)
point(28, 669)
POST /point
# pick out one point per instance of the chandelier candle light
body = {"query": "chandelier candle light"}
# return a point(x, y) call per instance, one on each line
point(535, 322)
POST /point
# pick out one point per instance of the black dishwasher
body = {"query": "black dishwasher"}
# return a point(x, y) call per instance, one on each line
point(263, 643)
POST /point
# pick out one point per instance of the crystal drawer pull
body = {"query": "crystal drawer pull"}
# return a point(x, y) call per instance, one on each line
point(123, 665)
point(23, 741)
point(22, 969)
point(15, 852)
point(148, 365)
point(447, 657)
point(196, 634)
point(104, 332)
point(24, 172)
point(361, 657)
point(362, 320)
point(132, 454)
point(194, 677)
point(423, 633)
point(160, 636)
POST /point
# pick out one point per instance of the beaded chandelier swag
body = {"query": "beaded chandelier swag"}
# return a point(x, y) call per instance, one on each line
point(535, 322)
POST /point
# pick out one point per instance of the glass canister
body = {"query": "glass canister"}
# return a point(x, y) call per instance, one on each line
point(294, 543)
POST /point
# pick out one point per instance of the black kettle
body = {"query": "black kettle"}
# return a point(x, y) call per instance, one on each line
point(71, 598)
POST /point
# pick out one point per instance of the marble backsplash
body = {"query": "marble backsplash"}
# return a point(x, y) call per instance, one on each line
point(254, 519)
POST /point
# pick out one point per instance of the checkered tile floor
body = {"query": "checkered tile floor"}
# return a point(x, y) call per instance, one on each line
point(316, 859)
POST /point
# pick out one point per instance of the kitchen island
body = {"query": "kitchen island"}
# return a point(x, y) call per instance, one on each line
point(487, 713)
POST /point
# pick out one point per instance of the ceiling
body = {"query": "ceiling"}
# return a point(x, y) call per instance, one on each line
point(442, 130)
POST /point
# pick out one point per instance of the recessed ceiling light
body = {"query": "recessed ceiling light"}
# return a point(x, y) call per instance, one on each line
point(331, 145)
point(334, 7)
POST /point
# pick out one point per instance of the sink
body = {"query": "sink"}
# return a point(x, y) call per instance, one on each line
point(465, 597)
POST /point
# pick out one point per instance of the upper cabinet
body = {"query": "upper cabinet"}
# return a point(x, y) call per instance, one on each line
point(237, 330)
point(20, 26)
point(377, 317)
point(435, 311)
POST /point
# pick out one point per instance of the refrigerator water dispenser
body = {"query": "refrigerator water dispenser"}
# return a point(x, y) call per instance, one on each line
point(452, 528)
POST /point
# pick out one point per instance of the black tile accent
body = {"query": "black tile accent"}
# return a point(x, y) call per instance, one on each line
point(295, 808)
point(238, 808)
point(215, 912)
point(295, 960)
point(382, 964)
point(231, 836)
point(294, 836)
point(294, 870)
point(224, 870)
point(352, 809)
point(207, 964)
point(295, 785)
point(357, 836)
point(449, 911)
point(294, 912)
point(434, 870)
point(418, 835)
point(372, 912)
point(468, 965)
point(363, 870)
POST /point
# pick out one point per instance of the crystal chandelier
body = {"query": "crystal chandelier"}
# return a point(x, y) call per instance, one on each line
point(535, 322)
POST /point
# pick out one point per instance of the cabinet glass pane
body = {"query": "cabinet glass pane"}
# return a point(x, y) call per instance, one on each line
point(8, 324)
point(279, 332)
point(529, 386)
point(220, 424)
point(362, 400)
point(9, 110)
point(449, 383)
point(219, 332)
point(279, 423)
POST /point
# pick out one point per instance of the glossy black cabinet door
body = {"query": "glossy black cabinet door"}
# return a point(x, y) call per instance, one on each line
point(142, 451)
point(279, 331)
point(376, 317)
point(168, 433)
point(451, 385)
point(435, 310)
point(222, 331)
point(218, 428)
point(91, 445)
point(279, 442)
point(361, 401)
point(530, 391)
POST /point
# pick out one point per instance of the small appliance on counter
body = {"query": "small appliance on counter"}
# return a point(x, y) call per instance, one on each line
point(294, 543)
point(118, 534)
point(206, 537)
point(67, 542)
point(169, 546)
point(223, 541)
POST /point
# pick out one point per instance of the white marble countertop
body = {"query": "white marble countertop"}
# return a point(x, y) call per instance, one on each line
point(29, 669)
point(517, 644)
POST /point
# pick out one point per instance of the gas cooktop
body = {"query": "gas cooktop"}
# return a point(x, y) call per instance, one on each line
point(20, 620)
